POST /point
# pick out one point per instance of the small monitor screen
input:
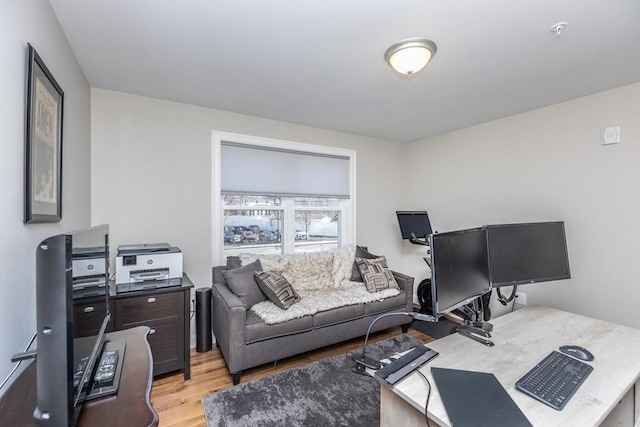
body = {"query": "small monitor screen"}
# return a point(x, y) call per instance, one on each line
point(416, 222)
point(527, 253)
point(459, 268)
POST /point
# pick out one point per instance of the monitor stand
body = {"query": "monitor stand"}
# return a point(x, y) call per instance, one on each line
point(474, 327)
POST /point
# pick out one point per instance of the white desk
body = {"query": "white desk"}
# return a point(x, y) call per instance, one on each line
point(522, 339)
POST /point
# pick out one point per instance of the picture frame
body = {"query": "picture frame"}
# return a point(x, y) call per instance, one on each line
point(43, 143)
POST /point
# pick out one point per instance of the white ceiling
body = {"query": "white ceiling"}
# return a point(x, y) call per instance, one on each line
point(320, 63)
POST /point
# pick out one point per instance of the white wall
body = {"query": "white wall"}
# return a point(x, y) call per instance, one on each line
point(152, 175)
point(34, 22)
point(547, 164)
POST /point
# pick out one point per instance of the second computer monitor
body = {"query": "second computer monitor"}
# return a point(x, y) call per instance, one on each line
point(459, 269)
point(527, 253)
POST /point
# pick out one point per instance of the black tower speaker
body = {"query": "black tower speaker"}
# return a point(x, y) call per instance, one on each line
point(203, 320)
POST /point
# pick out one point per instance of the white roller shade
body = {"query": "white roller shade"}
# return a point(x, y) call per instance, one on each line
point(251, 169)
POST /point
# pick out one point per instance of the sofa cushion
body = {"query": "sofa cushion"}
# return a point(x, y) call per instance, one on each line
point(243, 284)
point(269, 262)
point(361, 252)
point(338, 315)
point(376, 274)
point(258, 330)
point(233, 262)
point(277, 289)
point(305, 271)
point(309, 271)
point(397, 301)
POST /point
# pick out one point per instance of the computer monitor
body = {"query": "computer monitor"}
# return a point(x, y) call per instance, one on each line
point(527, 253)
point(414, 222)
point(459, 269)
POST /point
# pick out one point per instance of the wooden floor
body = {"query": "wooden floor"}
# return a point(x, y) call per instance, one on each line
point(177, 401)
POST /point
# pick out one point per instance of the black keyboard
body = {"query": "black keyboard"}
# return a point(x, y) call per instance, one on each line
point(555, 379)
point(397, 370)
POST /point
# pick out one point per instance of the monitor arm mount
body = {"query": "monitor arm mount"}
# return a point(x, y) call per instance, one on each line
point(474, 326)
point(417, 241)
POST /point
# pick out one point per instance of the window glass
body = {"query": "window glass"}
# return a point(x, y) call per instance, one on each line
point(252, 229)
point(316, 230)
point(276, 225)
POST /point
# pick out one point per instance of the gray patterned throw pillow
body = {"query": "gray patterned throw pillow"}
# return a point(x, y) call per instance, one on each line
point(361, 252)
point(376, 274)
point(277, 289)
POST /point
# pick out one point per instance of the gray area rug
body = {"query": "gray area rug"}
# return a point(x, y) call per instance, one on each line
point(322, 393)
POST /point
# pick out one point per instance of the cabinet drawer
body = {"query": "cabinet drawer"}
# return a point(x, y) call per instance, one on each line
point(149, 310)
point(167, 347)
point(88, 316)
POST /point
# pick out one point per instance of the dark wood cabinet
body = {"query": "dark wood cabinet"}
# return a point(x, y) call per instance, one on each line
point(165, 311)
point(87, 313)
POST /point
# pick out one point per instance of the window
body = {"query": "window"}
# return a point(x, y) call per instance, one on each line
point(259, 224)
point(280, 197)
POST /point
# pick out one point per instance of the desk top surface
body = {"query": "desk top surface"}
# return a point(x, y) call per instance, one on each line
point(131, 406)
point(522, 339)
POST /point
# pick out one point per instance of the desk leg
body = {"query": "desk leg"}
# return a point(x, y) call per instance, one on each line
point(394, 411)
point(636, 415)
point(627, 411)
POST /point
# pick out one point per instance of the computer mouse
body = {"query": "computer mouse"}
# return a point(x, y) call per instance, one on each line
point(577, 352)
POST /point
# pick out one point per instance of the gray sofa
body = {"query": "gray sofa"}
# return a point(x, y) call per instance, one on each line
point(246, 340)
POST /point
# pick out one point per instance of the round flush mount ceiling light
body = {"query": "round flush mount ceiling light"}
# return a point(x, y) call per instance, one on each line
point(411, 55)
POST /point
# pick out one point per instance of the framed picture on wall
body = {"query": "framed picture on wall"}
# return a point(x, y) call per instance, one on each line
point(43, 143)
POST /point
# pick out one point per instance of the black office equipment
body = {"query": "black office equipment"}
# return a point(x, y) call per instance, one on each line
point(459, 268)
point(203, 320)
point(108, 371)
point(577, 352)
point(520, 254)
point(459, 276)
point(414, 224)
point(555, 379)
point(362, 361)
point(60, 346)
point(398, 369)
point(477, 399)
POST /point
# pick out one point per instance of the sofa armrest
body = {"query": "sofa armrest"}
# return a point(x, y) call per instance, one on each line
point(229, 319)
point(406, 284)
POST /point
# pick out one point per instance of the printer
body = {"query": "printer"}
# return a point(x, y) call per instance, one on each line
point(89, 271)
point(148, 266)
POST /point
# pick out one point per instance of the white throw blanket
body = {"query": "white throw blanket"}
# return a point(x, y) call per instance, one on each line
point(314, 301)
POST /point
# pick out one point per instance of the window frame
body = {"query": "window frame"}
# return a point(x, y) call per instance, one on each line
point(348, 208)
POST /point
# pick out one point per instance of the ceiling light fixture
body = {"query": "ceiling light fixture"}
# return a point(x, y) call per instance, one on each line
point(411, 55)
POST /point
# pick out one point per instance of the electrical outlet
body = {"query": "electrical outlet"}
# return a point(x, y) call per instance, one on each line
point(521, 298)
